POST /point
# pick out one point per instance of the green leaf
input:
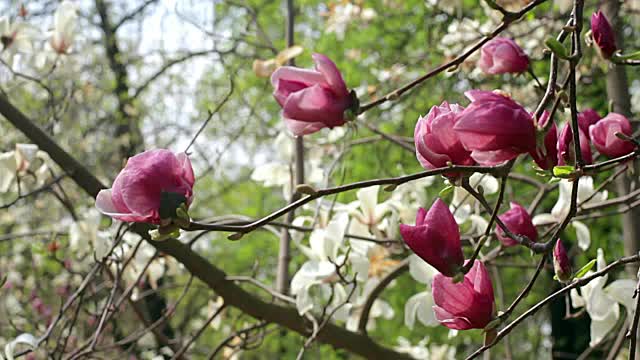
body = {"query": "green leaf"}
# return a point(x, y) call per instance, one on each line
point(564, 172)
point(556, 47)
point(585, 268)
point(446, 191)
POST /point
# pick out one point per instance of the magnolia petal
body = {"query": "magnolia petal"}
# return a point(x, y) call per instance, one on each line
point(577, 301)
point(304, 302)
point(622, 291)
point(600, 328)
point(24, 339)
point(582, 234)
point(420, 306)
point(544, 219)
point(368, 198)
point(420, 270)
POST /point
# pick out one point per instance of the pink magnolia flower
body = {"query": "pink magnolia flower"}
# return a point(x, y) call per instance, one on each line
point(546, 156)
point(495, 128)
point(587, 118)
point(603, 135)
point(518, 221)
point(561, 263)
point(436, 142)
point(467, 304)
point(311, 99)
point(566, 152)
point(436, 238)
point(502, 55)
point(147, 178)
point(603, 34)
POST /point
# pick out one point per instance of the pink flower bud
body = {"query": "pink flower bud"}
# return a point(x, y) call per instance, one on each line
point(546, 156)
point(502, 55)
point(603, 34)
point(561, 263)
point(311, 99)
point(436, 238)
point(566, 151)
point(587, 118)
point(518, 221)
point(495, 128)
point(146, 179)
point(603, 135)
point(436, 142)
point(467, 304)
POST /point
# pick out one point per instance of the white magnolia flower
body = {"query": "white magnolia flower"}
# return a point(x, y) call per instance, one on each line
point(280, 172)
point(323, 255)
point(23, 339)
point(15, 38)
point(420, 305)
point(61, 38)
point(463, 204)
point(602, 302)
point(83, 233)
point(20, 162)
point(561, 209)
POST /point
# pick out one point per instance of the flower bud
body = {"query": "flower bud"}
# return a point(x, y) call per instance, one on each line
point(502, 55)
point(566, 150)
point(518, 221)
point(587, 118)
point(436, 238)
point(603, 34)
point(495, 128)
point(468, 304)
point(561, 263)
point(546, 154)
point(603, 135)
point(435, 141)
point(312, 99)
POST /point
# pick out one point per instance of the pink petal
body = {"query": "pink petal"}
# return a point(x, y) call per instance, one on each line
point(451, 321)
point(332, 75)
point(315, 104)
point(300, 128)
point(290, 73)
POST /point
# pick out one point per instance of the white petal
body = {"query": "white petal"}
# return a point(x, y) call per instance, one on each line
point(489, 183)
point(368, 198)
point(24, 339)
point(600, 328)
point(577, 301)
point(334, 235)
point(544, 219)
point(8, 170)
point(420, 270)
point(360, 266)
point(582, 234)
point(304, 302)
point(478, 225)
point(622, 292)
point(381, 308)
point(420, 306)
point(600, 305)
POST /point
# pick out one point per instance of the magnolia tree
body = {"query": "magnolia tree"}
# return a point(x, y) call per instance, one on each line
point(365, 209)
